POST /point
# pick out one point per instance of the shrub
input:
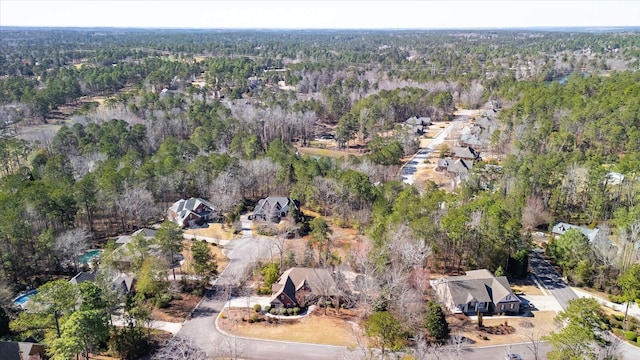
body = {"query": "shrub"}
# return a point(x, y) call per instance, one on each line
point(267, 308)
point(257, 308)
point(638, 340)
point(163, 301)
point(289, 311)
point(223, 315)
point(615, 323)
point(296, 310)
point(630, 335)
point(255, 318)
point(272, 311)
point(282, 311)
point(616, 299)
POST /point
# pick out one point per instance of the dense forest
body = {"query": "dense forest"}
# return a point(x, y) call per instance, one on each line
point(133, 120)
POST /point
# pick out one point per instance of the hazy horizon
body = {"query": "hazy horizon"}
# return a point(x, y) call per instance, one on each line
point(320, 15)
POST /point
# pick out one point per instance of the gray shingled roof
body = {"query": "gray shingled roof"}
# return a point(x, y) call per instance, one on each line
point(184, 207)
point(561, 228)
point(460, 166)
point(318, 280)
point(272, 202)
point(82, 277)
point(479, 285)
point(466, 152)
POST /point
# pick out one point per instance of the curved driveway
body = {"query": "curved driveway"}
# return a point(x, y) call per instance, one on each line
point(201, 328)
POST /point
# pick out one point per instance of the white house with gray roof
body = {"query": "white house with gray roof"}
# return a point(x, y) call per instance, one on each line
point(273, 208)
point(477, 291)
point(561, 228)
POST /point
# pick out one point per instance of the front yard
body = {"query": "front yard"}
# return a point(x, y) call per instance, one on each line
point(525, 327)
point(330, 329)
point(213, 230)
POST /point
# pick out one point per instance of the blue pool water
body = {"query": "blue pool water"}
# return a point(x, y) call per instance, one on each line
point(22, 299)
point(86, 258)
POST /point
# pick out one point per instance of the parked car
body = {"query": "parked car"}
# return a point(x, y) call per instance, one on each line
point(513, 357)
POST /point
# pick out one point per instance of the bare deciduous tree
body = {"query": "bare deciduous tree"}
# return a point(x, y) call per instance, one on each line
point(226, 190)
point(533, 344)
point(179, 348)
point(534, 213)
point(457, 344)
point(137, 204)
point(231, 347)
point(71, 244)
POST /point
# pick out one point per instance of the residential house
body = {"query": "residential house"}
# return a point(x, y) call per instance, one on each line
point(484, 123)
point(460, 167)
point(273, 208)
point(490, 114)
point(417, 125)
point(443, 164)
point(455, 167)
point(561, 228)
point(471, 140)
point(193, 211)
point(13, 350)
point(146, 232)
point(477, 291)
point(83, 276)
point(122, 282)
point(300, 286)
point(467, 153)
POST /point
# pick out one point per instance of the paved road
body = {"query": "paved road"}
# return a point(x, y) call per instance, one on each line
point(201, 329)
point(551, 280)
point(202, 333)
point(411, 167)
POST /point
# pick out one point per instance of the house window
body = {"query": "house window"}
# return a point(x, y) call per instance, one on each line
point(281, 297)
point(502, 307)
point(511, 306)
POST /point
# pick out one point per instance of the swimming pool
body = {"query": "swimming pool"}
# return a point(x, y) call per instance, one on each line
point(86, 257)
point(22, 299)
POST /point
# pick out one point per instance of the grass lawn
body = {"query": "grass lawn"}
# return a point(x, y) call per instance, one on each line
point(526, 286)
point(214, 230)
point(315, 328)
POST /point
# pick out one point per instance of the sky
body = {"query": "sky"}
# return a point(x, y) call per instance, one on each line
point(331, 14)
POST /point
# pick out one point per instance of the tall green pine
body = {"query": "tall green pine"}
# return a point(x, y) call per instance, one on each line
point(435, 322)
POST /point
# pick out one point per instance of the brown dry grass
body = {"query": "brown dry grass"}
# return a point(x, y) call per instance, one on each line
point(214, 230)
point(315, 328)
point(526, 286)
point(429, 173)
point(177, 310)
point(542, 322)
point(599, 294)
